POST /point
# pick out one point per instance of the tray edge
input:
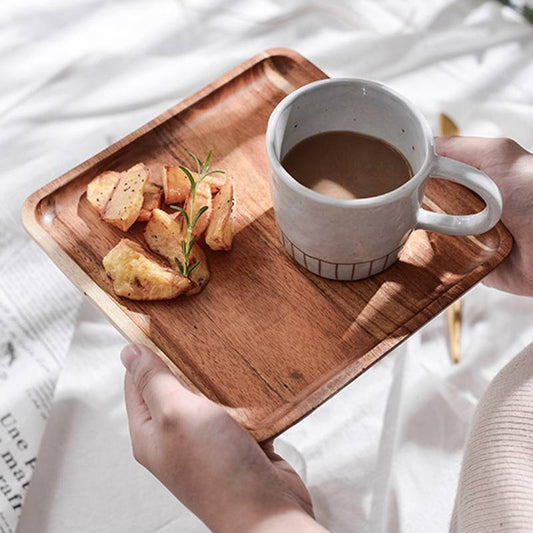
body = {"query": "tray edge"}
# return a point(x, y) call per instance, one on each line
point(68, 266)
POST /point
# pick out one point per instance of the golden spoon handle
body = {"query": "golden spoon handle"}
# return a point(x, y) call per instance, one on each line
point(455, 312)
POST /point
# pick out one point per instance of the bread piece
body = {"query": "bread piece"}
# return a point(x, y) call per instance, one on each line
point(138, 275)
point(176, 185)
point(151, 200)
point(200, 275)
point(101, 188)
point(163, 235)
point(219, 233)
point(126, 202)
point(156, 173)
point(216, 181)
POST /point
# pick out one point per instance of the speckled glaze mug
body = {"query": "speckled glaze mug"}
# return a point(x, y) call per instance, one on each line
point(355, 239)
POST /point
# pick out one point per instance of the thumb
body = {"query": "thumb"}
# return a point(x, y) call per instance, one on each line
point(154, 382)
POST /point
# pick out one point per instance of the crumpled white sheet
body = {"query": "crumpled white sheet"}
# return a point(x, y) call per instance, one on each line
point(382, 455)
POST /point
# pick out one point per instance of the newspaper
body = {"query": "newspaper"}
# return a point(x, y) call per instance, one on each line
point(37, 314)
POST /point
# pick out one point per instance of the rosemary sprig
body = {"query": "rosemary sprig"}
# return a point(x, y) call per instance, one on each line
point(202, 171)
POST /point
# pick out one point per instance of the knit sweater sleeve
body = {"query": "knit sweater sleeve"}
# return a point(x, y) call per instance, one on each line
point(495, 491)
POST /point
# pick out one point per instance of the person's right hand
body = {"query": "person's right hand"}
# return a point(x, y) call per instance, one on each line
point(511, 168)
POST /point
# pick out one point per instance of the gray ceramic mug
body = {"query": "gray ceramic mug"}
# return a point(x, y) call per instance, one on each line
point(355, 239)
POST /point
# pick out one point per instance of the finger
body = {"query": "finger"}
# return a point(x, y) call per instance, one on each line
point(469, 150)
point(138, 413)
point(274, 457)
point(138, 418)
point(268, 446)
point(154, 382)
point(480, 152)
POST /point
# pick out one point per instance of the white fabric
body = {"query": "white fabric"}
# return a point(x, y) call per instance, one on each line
point(384, 454)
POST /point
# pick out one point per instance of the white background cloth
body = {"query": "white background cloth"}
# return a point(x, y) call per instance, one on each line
point(384, 454)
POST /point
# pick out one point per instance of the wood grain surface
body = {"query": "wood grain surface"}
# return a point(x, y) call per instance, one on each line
point(266, 339)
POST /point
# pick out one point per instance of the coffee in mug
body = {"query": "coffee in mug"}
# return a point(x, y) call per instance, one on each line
point(347, 164)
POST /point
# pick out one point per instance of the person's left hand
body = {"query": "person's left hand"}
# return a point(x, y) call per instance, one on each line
point(205, 458)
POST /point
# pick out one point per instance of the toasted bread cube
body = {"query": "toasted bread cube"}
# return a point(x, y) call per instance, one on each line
point(176, 185)
point(126, 202)
point(101, 188)
point(203, 198)
point(153, 191)
point(163, 235)
point(200, 275)
point(156, 171)
point(216, 181)
point(138, 275)
point(219, 233)
point(151, 201)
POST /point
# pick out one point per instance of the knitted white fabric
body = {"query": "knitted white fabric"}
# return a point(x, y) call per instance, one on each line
point(496, 484)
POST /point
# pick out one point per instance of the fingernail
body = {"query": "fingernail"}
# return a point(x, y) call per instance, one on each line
point(129, 354)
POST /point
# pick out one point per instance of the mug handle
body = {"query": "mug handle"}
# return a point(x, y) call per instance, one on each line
point(473, 179)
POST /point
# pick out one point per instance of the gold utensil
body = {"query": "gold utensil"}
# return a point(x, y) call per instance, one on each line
point(448, 126)
point(455, 311)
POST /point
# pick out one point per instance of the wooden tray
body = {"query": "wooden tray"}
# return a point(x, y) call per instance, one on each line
point(266, 339)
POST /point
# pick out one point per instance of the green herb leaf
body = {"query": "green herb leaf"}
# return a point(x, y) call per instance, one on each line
point(206, 163)
point(183, 212)
point(191, 268)
point(200, 212)
point(187, 172)
point(188, 243)
point(197, 161)
point(179, 264)
point(191, 244)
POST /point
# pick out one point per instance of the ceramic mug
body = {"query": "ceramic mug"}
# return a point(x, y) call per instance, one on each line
point(357, 238)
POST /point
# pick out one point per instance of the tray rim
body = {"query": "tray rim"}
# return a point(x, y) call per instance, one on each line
point(133, 333)
point(75, 273)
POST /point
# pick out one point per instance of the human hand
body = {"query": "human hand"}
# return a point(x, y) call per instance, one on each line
point(511, 168)
point(205, 458)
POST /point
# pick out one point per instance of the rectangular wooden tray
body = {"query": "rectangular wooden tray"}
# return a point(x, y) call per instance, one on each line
point(266, 339)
